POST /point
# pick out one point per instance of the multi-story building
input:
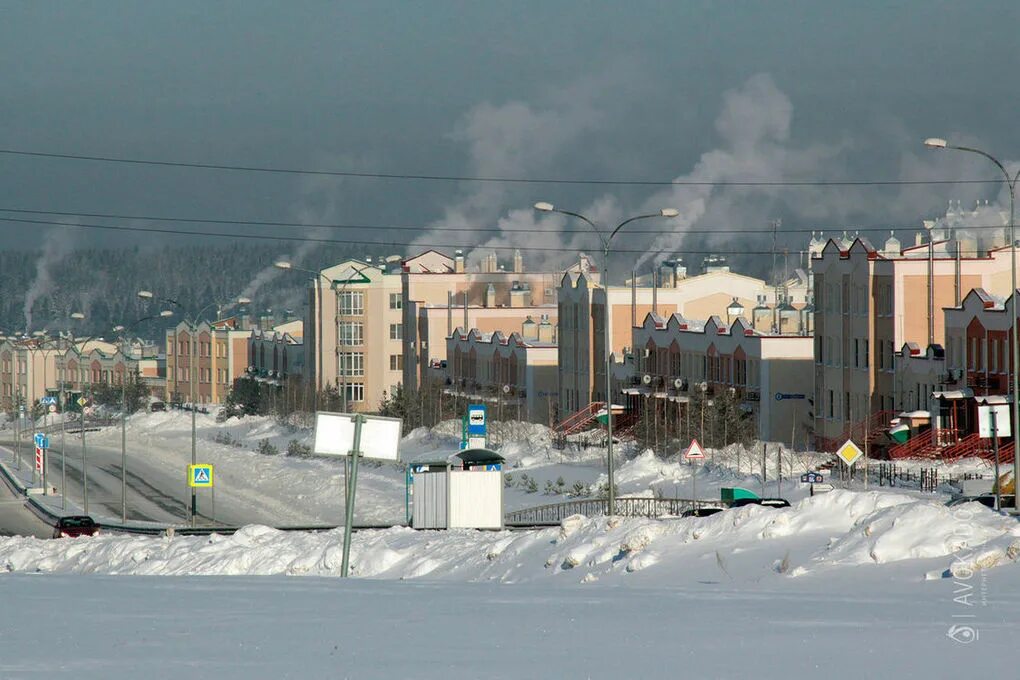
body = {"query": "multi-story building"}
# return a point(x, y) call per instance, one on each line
point(869, 302)
point(92, 363)
point(496, 299)
point(674, 356)
point(515, 373)
point(277, 353)
point(27, 369)
point(720, 292)
point(220, 357)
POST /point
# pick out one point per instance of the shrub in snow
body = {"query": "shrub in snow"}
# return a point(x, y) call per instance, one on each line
point(266, 448)
point(550, 488)
point(579, 490)
point(296, 448)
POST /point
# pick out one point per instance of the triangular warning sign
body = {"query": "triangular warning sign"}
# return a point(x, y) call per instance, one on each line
point(694, 451)
point(201, 475)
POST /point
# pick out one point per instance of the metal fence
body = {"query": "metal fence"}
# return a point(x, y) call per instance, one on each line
point(625, 507)
point(926, 479)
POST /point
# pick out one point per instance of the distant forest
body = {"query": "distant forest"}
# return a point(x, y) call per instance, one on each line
point(102, 284)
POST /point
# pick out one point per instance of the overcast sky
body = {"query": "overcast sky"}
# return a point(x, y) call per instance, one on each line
point(637, 90)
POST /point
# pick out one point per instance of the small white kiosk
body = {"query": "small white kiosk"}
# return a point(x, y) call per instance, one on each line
point(461, 490)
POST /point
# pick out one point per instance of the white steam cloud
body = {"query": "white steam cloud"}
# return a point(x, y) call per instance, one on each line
point(57, 244)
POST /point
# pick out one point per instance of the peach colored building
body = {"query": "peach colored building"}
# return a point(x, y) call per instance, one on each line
point(766, 371)
point(93, 363)
point(869, 303)
point(498, 297)
point(515, 374)
point(221, 356)
point(27, 369)
point(582, 304)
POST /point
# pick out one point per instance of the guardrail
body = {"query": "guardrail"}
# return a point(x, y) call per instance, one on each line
point(625, 507)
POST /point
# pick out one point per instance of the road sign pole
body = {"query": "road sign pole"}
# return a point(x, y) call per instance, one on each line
point(995, 449)
point(694, 483)
point(359, 420)
point(84, 465)
point(63, 450)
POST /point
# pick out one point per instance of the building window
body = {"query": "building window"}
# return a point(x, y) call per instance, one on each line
point(352, 302)
point(355, 392)
point(352, 364)
point(396, 301)
point(396, 362)
point(396, 331)
point(352, 333)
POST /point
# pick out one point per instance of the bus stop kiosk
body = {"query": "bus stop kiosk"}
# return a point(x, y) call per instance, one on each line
point(460, 490)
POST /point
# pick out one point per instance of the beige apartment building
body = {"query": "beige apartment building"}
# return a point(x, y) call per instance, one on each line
point(722, 293)
point(437, 289)
point(221, 356)
point(675, 356)
point(870, 303)
point(515, 374)
point(27, 369)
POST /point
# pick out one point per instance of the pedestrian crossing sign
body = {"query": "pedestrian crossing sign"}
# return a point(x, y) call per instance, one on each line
point(200, 475)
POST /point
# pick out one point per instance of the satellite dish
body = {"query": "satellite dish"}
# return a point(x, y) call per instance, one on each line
point(506, 389)
point(678, 383)
point(647, 379)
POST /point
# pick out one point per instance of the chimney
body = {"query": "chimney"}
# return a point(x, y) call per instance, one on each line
point(490, 296)
point(518, 262)
point(529, 329)
point(449, 313)
point(520, 295)
point(458, 261)
point(918, 239)
point(465, 311)
point(546, 331)
point(493, 263)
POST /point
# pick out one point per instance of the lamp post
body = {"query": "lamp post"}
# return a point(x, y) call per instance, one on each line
point(939, 143)
point(606, 245)
point(166, 313)
point(192, 360)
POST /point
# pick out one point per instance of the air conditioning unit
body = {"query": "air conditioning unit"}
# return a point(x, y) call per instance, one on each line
point(635, 380)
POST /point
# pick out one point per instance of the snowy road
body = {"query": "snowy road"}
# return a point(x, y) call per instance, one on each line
point(115, 628)
point(17, 520)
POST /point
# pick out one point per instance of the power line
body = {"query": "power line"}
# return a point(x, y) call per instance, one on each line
point(378, 244)
point(470, 178)
point(478, 229)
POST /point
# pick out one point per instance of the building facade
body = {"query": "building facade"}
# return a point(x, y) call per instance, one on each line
point(220, 357)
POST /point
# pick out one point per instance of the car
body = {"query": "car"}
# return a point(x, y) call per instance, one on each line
point(701, 512)
point(73, 526)
point(157, 406)
point(765, 502)
point(987, 500)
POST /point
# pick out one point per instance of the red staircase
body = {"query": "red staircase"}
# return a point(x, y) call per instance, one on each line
point(581, 420)
point(864, 431)
point(920, 446)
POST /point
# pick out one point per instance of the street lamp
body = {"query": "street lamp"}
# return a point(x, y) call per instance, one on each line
point(166, 313)
point(192, 360)
point(939, 143)
point(542, 206)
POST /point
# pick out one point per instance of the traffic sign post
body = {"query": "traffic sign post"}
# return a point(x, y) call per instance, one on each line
point(477, 427)
point(693, 454)
point(849, 453)
point(200, 476)
point(811, 478)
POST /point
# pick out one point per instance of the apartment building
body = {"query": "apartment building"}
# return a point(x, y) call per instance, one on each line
point(869, 302)
point(93, 363)
point(27, 369)
point(497, 297)
point(674, 356)
point(220, 357)
point(278, 352)
point(515, 373)
point(720, 292)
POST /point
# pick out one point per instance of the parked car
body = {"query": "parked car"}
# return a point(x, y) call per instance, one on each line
point(766, 502)
point(701, 512)
point(74, 526)
point(157, 406)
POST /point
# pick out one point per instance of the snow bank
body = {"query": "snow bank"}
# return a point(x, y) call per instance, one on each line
point(838, 530)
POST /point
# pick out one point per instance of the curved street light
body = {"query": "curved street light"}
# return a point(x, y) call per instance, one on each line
point(607, 242)
point(940, 143)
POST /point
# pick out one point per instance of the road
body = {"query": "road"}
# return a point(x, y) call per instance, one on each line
point(155, 493)
point(18, 520)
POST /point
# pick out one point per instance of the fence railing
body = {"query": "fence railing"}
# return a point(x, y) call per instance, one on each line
point(625, 507)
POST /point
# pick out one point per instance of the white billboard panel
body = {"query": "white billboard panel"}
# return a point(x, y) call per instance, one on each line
point(334, 436)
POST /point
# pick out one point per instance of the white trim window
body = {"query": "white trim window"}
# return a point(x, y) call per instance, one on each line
point(352, 302)
point(352, 364)
point(352, 333)
point(355, 392)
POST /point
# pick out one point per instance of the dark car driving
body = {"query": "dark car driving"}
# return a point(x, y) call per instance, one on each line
point(74, 526)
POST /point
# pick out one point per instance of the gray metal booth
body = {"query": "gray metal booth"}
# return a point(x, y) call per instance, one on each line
point(460, 490)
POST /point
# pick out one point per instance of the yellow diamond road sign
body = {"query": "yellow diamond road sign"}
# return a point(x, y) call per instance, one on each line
point(849, 452)
point(82, 401)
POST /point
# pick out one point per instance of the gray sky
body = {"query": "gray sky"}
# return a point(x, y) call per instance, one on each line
point(645, 90)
